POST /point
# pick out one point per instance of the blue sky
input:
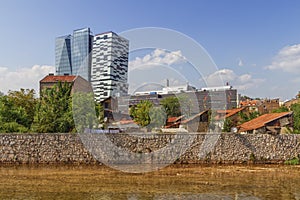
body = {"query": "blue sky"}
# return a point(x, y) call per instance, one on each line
point(255, 44)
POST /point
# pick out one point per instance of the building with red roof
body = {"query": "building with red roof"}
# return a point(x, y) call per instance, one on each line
point(78, 83)
point(268, 123)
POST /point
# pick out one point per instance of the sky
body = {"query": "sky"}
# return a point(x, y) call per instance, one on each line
point(255, 44)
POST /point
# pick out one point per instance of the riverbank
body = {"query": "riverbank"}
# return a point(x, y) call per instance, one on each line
point(228, 148)
point(173, 182)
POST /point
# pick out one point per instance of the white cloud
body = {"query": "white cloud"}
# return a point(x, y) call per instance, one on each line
point(23, 77)
point(287, 59)
point(240, 82)
point(157, 57)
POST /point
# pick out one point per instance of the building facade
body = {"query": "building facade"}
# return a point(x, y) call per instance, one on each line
point(63, 61)
point(78, 83)
point(81, 53)
point(109, 66)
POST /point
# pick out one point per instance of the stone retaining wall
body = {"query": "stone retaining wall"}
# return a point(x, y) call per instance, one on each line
point(229, 148)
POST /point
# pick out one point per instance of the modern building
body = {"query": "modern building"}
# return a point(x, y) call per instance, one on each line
point(109, 66)
point(198, 100)
point(81, 53)
point(168, 90)
point(63, 61)
point(73, 54)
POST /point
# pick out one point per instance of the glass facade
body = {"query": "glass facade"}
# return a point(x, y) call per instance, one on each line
point(81, 49)
point(63, 55)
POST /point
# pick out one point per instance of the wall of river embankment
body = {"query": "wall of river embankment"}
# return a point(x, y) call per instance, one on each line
point(227, 148)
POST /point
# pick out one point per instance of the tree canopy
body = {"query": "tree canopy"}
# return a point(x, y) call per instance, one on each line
point(171, 106)
point(17, 111)
point(54, 110)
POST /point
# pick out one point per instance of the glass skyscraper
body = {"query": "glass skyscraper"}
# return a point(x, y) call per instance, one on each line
point(101, 59)
point(63, 61)
point(81, 49)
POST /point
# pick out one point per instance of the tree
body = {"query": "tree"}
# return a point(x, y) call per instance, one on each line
point(158, 117)
point(87, 113)
point(296, 113)
point(140, 113)
point(227, 125)
point(54, 110)
point(17, 110)
point(171, 106)
point(247, 117)
point(281, 109)
point(188, 104)
point(25, 98)
point(12, 118)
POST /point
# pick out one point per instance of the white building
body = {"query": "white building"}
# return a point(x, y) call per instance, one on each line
point(109, 65)
point(168, 90)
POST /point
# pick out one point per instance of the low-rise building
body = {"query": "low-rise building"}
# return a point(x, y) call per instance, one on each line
point(78, 83)
point(197, 123)
point(261, 106)
point(269, 123)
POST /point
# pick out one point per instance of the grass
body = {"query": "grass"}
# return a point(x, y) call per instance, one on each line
point(293, 161)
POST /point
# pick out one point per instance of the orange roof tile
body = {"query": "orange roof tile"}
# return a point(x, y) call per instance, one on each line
point(249, 103)
point(62, 78)
point(261, 121)
point(228, 113)
point(193, 117)
point(174, 119)
point(233, 111)
point(127, 121)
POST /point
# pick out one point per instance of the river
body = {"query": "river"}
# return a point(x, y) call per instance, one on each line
point(173, 182)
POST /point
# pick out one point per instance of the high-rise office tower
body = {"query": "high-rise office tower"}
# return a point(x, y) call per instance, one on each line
point(63, 62)
point(81, 53)
point(109, 65)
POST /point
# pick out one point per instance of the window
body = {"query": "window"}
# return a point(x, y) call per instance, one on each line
point(105, 37)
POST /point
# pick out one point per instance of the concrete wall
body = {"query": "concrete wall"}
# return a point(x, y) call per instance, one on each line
point(230, 148)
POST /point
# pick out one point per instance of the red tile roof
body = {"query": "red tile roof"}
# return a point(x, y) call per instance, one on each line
point(228, 113)
point(261, 121)
point(231, 112)
point(174, 119)
point(249, 103)
point(62, 78)
point(194, 117)
point(127, 121)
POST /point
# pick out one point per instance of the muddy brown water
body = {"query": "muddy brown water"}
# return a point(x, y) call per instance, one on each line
point(173, 182)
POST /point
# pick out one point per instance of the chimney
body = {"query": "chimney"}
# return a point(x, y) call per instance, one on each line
point(168, 83)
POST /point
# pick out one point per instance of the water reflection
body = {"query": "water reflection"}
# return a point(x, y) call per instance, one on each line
point(176, 182)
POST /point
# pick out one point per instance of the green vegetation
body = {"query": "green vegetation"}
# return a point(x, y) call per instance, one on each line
point(247, 117)
point(158, 117)
point(280, 109)
point(83, 110)
point(140, 113)
point(171, 106)
point(17, 111)
point(54, 110)
point(252, 157)
point(145, 114)
point(21, 112)
point(293, 161)
point(227, 125)
point(296, 112)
